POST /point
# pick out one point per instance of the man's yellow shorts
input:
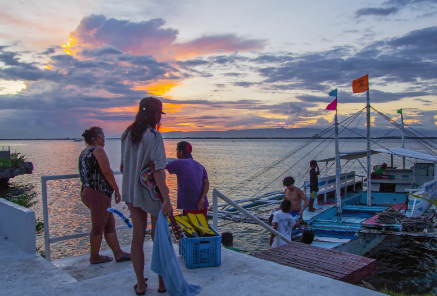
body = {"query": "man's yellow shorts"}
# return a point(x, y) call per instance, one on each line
point(313, 195)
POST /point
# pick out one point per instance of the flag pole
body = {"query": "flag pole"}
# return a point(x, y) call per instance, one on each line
point(369, 153)
point(337, 168)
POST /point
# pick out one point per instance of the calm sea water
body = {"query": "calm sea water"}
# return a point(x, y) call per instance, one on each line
point(403, 264)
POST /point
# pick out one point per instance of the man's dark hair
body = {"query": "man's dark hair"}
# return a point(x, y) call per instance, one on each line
point(185, 147)
point(308, 237)
point(286, 205)
point(288, 181)
point(313, 163)
point(227, 239)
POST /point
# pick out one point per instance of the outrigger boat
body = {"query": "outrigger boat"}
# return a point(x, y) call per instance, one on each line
point(355, 213)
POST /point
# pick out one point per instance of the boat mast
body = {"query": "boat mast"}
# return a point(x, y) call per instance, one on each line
point(403, 140)
point(337, 170)
point(369, 153)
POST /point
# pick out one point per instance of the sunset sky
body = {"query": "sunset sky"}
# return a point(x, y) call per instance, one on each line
point(216, 65)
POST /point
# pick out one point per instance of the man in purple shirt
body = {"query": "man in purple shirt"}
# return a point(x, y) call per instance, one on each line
point(193, 184)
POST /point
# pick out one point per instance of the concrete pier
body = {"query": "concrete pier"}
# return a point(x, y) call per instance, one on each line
point(238, 274)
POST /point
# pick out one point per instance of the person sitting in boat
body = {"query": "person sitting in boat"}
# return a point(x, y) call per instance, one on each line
point(193, 184)
point(228, 241)
point(314, 184)
point(295, 195)
point(284, 223)
point(379, 173)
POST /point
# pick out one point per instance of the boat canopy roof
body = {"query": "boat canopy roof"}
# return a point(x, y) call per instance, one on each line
point(409, 153)
point(349, 155)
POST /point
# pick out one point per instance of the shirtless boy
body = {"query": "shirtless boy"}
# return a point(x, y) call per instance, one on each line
point(295, 195)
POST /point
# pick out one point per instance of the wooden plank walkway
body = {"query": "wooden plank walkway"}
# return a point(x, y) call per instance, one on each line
point(329, 263)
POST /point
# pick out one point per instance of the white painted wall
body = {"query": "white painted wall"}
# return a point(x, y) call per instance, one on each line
point(17, 225)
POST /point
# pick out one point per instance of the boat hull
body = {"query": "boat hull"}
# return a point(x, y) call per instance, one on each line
point(363, 244)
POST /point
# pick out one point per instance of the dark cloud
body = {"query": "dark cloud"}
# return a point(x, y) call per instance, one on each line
point(101, 51)
point(426, 102)
point(50, 50)
point(376, 11)
point(244, 83)
point(9, 58)
point(233, 74)
point(105, 80)
point(146, 37)
point(407, 59)
point(392, 7)
point(151, 38)
point(191, 63)
point(105, 76)
point(376, 96)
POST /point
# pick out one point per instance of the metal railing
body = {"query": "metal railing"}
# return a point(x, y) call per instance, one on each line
point(47, 239)
point(217, 194)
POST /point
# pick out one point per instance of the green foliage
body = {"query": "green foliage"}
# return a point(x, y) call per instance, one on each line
point(41, 251)
point(17, 160)
point(5, 163)
point(39, 226)
point(25, 199)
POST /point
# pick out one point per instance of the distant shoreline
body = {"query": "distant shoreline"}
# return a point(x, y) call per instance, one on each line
point(236, 138)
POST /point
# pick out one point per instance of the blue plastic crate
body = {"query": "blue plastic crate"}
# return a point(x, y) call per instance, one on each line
point(201, 251)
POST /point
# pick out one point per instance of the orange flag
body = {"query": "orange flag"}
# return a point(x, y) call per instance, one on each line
point(361, 84)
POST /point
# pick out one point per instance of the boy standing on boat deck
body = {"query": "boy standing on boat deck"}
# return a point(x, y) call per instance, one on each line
point(314, 184)
point(193, 184)
point(295, 195)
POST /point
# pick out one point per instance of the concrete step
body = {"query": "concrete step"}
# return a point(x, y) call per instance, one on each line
point(22, 274)
point(79, 267)
point(238, 274)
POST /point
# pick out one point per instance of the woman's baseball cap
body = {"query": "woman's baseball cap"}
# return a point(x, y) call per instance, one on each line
point(151, 103)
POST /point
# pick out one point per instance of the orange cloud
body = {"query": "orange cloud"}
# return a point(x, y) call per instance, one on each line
point(172, 108)
point(158, 88)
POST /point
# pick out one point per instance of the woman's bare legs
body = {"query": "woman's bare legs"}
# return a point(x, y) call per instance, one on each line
point(95, 242)
point(139, 221)
point(112, 241)
point(161, 281)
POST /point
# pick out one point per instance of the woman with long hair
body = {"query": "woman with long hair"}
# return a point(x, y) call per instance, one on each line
point(98, 185)
point(141, 143)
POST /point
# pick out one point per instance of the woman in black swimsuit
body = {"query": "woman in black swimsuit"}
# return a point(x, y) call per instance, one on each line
point(98, 185)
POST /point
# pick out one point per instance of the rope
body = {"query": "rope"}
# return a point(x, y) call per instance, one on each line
point(409, 224)
point(390, 216)
point(424, 144)
point(416, 224)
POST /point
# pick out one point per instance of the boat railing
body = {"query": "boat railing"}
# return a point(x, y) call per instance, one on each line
point(327, 184)
point(217, 194)
point(47, 239)
point(428, 191)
